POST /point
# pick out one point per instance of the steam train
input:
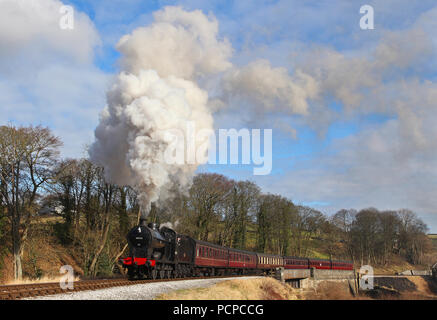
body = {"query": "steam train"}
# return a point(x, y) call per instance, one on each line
point(162, 253)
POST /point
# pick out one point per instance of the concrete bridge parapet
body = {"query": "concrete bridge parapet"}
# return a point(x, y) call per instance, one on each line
point(315, 274)
point(333, 274)
point(304, 278)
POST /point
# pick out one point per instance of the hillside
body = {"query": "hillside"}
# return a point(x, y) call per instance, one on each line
point(43, 254)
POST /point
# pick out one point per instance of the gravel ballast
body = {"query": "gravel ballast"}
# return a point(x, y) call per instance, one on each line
point(146, 291)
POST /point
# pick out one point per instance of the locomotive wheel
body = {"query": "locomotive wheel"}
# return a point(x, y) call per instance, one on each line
point(130, 274)
point(153, 274)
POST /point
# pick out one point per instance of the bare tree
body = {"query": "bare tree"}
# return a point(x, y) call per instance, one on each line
point(206, 194)
point(244, 203)
point(28, 157)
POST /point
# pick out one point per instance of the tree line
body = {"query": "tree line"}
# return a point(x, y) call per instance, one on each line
point(95, 216)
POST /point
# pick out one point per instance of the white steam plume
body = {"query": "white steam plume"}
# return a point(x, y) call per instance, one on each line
point(179, 43)
point(271, 89)
point(155, 96)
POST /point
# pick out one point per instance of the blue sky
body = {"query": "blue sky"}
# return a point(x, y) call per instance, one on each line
point(367, 139)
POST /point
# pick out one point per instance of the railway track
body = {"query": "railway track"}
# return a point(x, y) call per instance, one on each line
point(20, 291)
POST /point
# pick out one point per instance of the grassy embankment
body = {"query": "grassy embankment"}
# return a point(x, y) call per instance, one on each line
point(261, 289)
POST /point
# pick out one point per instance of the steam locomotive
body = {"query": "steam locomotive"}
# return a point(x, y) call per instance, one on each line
point(163, 253)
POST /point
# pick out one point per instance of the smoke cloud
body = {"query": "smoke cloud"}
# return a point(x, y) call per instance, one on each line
point(155, 95)
point(271, 89)
point(179, 43)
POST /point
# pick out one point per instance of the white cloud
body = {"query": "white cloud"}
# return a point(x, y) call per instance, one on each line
point(47, 75)
point(30, 31)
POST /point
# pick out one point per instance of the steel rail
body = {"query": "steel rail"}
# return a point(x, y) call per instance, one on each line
point(20, 291)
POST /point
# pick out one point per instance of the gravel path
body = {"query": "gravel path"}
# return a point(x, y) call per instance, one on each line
point(136, 292)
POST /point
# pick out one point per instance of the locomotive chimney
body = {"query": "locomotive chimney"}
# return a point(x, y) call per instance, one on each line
point(143, 222)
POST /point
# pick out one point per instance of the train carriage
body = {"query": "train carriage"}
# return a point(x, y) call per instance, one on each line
point(269, 261)
point(241, 259)
point(296, 263)
point(210, 255)
point(342, 265)
point(320, 263)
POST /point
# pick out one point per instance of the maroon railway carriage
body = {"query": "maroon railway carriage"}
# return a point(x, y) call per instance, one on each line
point(240, 259)
point(342, 265)
point(319, 263)
point(209, 257)
point(296, 263)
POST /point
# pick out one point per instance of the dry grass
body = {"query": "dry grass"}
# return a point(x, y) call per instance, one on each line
point(426, 289)
point(251, 289)
point(332, 290)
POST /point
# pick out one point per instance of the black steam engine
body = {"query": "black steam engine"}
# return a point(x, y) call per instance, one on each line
point(157, 253)
point(163, 253)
